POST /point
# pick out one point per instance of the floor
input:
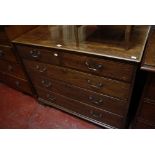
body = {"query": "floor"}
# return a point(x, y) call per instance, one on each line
point(20, 111)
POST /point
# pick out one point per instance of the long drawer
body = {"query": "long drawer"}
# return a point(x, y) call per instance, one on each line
point(16, 83)
point(12, 68)
point(6, 53)
point(83, 110)
point(39, 54)
point(91, 82)
point(99, 66)
point(83, 95)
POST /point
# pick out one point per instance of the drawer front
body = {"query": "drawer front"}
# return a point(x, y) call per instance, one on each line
point(101, 67)
point(82, 109)
point(147, 112)
point(98, 84)
point(12, 68)
point(82, 95)
point(141, 125)
point(6, 53)
point(150, 90)
point(17, 83)
point(39, 54)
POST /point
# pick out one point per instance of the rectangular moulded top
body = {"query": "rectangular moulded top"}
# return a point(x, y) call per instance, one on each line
point(86, 41)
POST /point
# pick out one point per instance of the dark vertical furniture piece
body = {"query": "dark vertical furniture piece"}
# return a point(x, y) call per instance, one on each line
point(91, 79)
point(11, 70)
point(145, 117)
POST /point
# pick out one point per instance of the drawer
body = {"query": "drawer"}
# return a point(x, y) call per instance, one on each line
point(147, 112)
point(141, 125)
point(12, 68)
point(150, 90)
point(17, 83)
point(82, 95)
point(81, 109)
point(39, 54)
point(6, 53)
point(98, 66)
point(91, 82)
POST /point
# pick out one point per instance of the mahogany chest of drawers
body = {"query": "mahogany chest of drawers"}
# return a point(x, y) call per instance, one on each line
point(11, 70)
point(145, 117)
point(91, 81)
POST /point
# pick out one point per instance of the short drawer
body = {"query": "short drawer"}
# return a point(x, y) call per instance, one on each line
point(150, 90)
point(39, 54)
point(147, 112)
point(91, 82)
point(12, 68)
point(99, 66)
point(17, 83)
point(81, 109)
point(82, 95)
point(6, 53)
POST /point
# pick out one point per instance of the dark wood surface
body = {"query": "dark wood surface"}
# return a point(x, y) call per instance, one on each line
point(150, 87)
point(10, 32)
point(147, 111)
point(39, 54)
point(99, 116)
point(102, 67)
point(16, 82)
point(53, 36)
point(140, 124)
point(11, 68)
point(14, 31)
point(4, 40)
point(73, 73)
point(95, 99)
point(118, 34)
point(91, 82)
point(6, 53)
point(145, 117)
point(148, 63)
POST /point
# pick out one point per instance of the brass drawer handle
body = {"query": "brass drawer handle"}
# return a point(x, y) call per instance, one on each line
point(98, 85)
point(50, 98)
point(41, 70)
point(1, 53)
point(95, 101)
point(95, 114)
point(46, 83)
point(93, 67)
point(35, 53)
point(10, 68)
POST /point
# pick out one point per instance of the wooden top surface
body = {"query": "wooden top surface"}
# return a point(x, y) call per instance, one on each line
point(149, 57)
point(53, 36)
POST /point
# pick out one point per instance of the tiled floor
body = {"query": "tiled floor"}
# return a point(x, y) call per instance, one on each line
point(18, 110)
